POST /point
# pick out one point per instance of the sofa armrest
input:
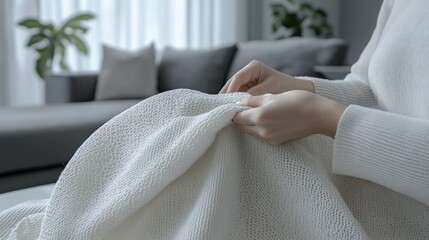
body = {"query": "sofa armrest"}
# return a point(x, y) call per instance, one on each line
point(63, 88)
point(37, 141)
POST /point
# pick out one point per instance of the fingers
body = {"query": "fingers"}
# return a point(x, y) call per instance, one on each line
point(238, 81)
point(225, 88)
point(253, 102)
point(242, 79)
point(246, 117)
point(250, 116)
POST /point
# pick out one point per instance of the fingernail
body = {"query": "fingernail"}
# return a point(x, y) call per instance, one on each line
point(241, 102)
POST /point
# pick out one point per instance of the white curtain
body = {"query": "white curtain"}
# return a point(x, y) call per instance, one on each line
point(18, 83)
point(126, 24)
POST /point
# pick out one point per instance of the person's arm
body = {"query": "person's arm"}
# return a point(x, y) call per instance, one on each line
point(389, 149)
point(355, 88)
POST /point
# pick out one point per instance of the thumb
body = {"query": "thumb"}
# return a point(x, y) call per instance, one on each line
point(253, 101)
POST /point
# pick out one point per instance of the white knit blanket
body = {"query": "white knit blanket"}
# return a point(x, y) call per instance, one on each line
point(174, 167)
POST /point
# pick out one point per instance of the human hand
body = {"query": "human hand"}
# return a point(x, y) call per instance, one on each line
point(257, 79)
point(289, 116)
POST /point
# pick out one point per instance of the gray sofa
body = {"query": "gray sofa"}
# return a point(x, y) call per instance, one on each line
point(37, 142)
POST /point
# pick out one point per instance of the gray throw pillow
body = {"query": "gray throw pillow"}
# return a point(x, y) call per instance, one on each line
point(202, 70)
point(294, 56)
point(127, 75)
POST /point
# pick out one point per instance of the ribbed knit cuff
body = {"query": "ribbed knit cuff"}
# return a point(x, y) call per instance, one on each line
point(385, 148)
point(330, 89)
point(327, 88)
point(344, 91)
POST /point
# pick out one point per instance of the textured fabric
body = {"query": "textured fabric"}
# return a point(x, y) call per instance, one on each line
point(294, 56)
point(390, 145)
point(127, 75)
point(173, 167)
point(202, 70)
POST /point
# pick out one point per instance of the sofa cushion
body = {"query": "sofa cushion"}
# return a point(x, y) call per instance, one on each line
point(43, 137)
point(127, 75)
point(294, 56)
point(202, 70)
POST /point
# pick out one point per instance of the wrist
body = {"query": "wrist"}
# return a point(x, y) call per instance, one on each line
point(331, 117)
point(306, 85)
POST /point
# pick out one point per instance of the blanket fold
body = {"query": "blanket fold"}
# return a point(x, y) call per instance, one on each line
point(174, 167)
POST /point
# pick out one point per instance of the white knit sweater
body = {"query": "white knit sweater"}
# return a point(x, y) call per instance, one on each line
point(390, 145)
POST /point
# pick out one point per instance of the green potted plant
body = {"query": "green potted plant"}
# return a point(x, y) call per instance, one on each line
point(50, 42)
point(297, 18)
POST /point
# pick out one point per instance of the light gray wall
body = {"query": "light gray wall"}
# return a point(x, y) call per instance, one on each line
point(357, 22)
point(353, 20)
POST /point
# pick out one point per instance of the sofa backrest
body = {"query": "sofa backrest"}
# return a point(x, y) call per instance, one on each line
point(63, 88)
point(294, 56)
point(201, 70)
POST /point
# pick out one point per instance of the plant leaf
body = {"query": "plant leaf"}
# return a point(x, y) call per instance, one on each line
point(32, 23)
point(76, 25)
point(46, 56)
point(40, 67)
point(319, 12)
point(275, 26)
point(292, 21)
point(64, 67)
point(83, 16)
point(306, 6)
point(317, 30)
point(49, 30)
point(76, 20)
point(62, 52)
point(36, 38)
point(41, 50)
point(299, 16)
point(50, 27)
point(79, 43)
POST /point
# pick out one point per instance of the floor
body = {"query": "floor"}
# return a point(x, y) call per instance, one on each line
point(11, 199)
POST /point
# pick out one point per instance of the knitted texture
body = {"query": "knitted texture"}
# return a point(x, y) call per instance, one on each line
point(390, 145)
point(174, 167)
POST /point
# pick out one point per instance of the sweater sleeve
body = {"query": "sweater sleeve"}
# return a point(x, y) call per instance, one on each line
point(389, 149)
point(355, 89)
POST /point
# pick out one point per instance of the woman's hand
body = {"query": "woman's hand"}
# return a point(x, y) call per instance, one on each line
point(258, 79)
point(289, 116)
